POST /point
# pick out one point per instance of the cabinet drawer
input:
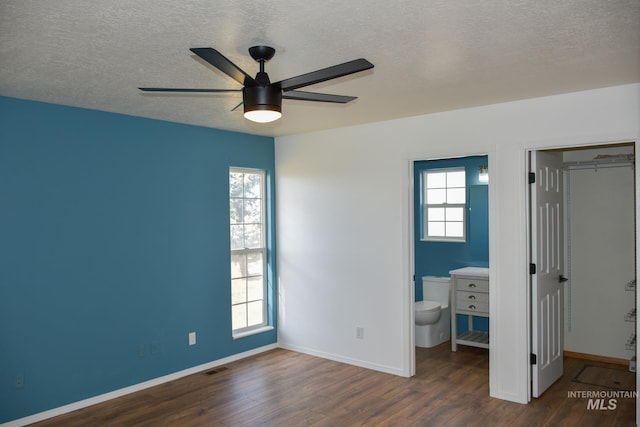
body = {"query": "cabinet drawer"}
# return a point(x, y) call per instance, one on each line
point(475, 285)
point(474, 302)
point(465, 298)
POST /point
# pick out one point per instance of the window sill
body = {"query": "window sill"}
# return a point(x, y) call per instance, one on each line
point(238, 335)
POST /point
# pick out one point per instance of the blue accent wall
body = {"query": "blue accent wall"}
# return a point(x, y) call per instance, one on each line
point(438, 258)
point(114, 245)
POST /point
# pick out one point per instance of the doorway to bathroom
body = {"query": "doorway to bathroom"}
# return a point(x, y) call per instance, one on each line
point(450, 230)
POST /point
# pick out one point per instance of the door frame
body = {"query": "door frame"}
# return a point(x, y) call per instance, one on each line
point(586, 145)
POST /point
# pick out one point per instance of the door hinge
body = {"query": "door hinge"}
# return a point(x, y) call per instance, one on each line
point(414, 277)
point(532, 177)
point(533, 359)
point(532, 268)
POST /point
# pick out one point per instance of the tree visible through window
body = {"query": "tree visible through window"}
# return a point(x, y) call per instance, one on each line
point(248, 249)
point(444, 203)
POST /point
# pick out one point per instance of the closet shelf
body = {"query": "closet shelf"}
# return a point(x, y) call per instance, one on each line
point(631, 315)
point(631, 342)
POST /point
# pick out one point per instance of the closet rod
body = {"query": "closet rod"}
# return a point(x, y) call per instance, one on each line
point(601, 163)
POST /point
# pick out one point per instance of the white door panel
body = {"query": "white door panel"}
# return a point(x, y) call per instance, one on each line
point(547, 296)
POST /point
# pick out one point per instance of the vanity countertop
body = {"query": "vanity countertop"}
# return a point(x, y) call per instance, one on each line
point(471, 271)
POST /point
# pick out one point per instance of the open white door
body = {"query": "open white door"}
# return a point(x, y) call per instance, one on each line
point(547, 253)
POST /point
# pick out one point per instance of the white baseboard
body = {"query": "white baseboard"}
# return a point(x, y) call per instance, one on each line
point(342, 359)
point(134, 388)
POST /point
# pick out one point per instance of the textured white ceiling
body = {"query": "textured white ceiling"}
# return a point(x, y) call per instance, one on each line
point(429, 55)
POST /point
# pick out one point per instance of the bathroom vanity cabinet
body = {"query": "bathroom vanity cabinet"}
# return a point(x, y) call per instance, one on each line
point(469, 296)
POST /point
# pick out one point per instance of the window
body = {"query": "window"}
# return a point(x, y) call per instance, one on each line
point(248, 250)
point(444, 204)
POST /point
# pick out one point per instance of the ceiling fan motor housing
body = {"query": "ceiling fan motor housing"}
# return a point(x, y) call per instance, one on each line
point(262, 98)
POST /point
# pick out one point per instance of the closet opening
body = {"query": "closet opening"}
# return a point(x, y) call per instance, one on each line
point(597, 260)
point(600, 236)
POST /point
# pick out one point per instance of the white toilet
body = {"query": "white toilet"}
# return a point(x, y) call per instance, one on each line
point(433, 314)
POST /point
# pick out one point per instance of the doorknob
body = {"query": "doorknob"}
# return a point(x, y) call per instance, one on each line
point(562, 279)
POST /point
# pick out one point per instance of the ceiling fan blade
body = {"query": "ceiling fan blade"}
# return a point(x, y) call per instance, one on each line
point(321, 97)
point(185, 90)
point(324, 74)
point(219, 61)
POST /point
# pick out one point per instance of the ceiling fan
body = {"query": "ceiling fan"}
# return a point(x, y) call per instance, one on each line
point(262, 99)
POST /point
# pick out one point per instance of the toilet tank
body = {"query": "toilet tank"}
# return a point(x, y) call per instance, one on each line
point(436, 289)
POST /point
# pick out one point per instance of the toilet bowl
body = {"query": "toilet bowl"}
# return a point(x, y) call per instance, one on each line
point(427, 312)
point(432, 314)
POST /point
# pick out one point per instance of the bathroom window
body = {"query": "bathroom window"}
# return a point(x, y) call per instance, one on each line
point(248, 250)
point(444, 205)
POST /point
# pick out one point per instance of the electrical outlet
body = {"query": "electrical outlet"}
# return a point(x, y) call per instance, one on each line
point(19, 381)
point(192, 338)
point(359, 332)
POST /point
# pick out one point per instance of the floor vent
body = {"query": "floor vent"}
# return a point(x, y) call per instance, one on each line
point(215, 371)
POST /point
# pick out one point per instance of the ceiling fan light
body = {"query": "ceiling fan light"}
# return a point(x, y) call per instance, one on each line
point(262, 104)
point(262, 116)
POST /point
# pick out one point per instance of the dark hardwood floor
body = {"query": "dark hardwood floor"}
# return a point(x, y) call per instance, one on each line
point(284, 388)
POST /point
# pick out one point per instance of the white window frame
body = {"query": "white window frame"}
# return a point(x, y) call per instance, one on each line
point(425, 208)
point(262, 250)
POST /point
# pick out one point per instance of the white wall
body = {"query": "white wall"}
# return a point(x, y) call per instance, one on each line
point(343, 223)
point(602, 238)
